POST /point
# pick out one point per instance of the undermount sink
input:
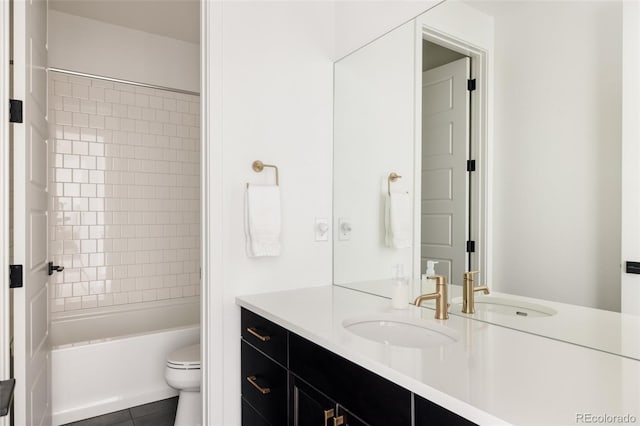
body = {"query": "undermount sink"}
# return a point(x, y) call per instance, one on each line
point(505, 306)
point(397, 331)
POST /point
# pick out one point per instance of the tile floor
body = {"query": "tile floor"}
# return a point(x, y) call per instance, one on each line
point(158, 413)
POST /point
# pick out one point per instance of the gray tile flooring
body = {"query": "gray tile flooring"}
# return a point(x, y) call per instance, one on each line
point(158, 413)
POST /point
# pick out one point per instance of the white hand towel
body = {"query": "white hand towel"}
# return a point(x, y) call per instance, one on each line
point(398, 220)
point(262, 220)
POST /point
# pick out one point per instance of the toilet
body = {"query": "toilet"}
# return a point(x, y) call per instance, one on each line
point(183, 374)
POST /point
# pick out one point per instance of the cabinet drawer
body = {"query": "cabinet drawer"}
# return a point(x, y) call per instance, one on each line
point(250, 417)
point(264, 335)
point(373, 399)
point(428, 413)
point(264, 385)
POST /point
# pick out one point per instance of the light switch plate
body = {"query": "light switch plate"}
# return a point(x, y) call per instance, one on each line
point(344, 229)
point(322, 229)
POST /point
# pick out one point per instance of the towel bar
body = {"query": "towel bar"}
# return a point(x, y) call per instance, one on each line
point(393, 176)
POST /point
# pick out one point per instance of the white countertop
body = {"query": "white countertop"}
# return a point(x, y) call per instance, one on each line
point(607, 331)
point(491, 375)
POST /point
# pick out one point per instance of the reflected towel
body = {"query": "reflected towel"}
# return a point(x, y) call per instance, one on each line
point(262, 220)
point(398, 220)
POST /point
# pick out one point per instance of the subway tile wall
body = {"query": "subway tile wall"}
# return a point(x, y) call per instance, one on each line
point(124, 173)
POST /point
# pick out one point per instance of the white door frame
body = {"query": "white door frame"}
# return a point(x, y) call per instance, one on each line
point(4, 196)
point(630, 233)
point(212, 294)
point(479, 188)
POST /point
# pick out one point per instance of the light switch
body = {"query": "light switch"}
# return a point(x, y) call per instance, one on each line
point(344, 229)
point(322, 229)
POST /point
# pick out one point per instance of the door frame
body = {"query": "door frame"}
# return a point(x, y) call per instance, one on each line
point(212, 291)
point(479, 220)
point(5, 334)
point(630, 161)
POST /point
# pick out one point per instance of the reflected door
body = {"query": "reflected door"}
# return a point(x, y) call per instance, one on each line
point(445, 150)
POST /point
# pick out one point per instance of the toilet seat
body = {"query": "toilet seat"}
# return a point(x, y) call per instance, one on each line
point(187, 358)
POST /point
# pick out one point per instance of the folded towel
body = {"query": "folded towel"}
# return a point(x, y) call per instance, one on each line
point(398, 220)
point(262, 220)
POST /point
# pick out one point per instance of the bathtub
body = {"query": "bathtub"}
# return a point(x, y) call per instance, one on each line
point(115, 359)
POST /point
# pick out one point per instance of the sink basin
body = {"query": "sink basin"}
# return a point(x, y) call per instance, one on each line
point(397, 331)
point(505, 306)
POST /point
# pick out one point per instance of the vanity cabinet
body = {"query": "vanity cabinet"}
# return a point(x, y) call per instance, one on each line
point(288, 380)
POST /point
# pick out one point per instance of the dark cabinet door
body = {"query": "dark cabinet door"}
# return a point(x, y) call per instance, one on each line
point(309, 407)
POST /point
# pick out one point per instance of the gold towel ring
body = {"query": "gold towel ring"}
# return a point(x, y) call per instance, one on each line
point(393, 176)
point(258, 166)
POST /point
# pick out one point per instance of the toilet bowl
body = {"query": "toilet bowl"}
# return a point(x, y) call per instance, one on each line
point(183, 374)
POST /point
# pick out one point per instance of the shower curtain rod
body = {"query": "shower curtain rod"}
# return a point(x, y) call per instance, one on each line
point(117, 80)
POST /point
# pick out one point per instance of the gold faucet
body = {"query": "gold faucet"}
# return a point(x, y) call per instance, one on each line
point(440, 296)
point(468, 291)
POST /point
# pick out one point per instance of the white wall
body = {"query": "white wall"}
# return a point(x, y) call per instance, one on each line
point(272, 72)
point(556, 193)
point(94, 47)
point(373, 136)
point(360, 22)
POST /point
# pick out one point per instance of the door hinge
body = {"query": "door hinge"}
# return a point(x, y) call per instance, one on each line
point(471, 165)
point(633, 268)
point(6, 395)
point(471, 246)
point(15, 276)
point(15, 111)
point(471, 85)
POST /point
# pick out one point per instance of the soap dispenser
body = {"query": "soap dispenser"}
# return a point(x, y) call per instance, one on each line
point(428, 279)
point(400, 299)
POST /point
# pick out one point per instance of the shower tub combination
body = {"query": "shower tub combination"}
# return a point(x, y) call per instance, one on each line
point(116, 359)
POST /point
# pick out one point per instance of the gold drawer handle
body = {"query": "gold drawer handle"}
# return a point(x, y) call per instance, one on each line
point(328, 414)
point(337, 421)
point(253, 331)
point(252, 380)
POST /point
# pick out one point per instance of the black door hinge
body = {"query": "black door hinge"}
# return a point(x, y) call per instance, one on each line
point(471, 165)
point(6, 395)
point(471, 85)
point(471, 246)
point(15, 111)
point(633, 268)
point(15, 276)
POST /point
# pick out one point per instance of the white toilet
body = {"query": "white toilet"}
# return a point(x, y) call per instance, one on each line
point(183, 373)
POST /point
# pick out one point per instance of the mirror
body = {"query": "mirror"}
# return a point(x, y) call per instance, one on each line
point(539, 214)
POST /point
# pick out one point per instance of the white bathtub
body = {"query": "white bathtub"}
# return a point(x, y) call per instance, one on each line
point(115, 360)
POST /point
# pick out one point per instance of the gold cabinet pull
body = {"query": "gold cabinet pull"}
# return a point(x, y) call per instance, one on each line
point(253, 331)
point(337, 421)
point(252, 380)
point(328, 414)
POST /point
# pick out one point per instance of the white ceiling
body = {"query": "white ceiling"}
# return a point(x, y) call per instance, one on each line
point(179, 19)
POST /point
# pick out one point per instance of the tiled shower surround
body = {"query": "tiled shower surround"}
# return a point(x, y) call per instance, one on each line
point(124, 165)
